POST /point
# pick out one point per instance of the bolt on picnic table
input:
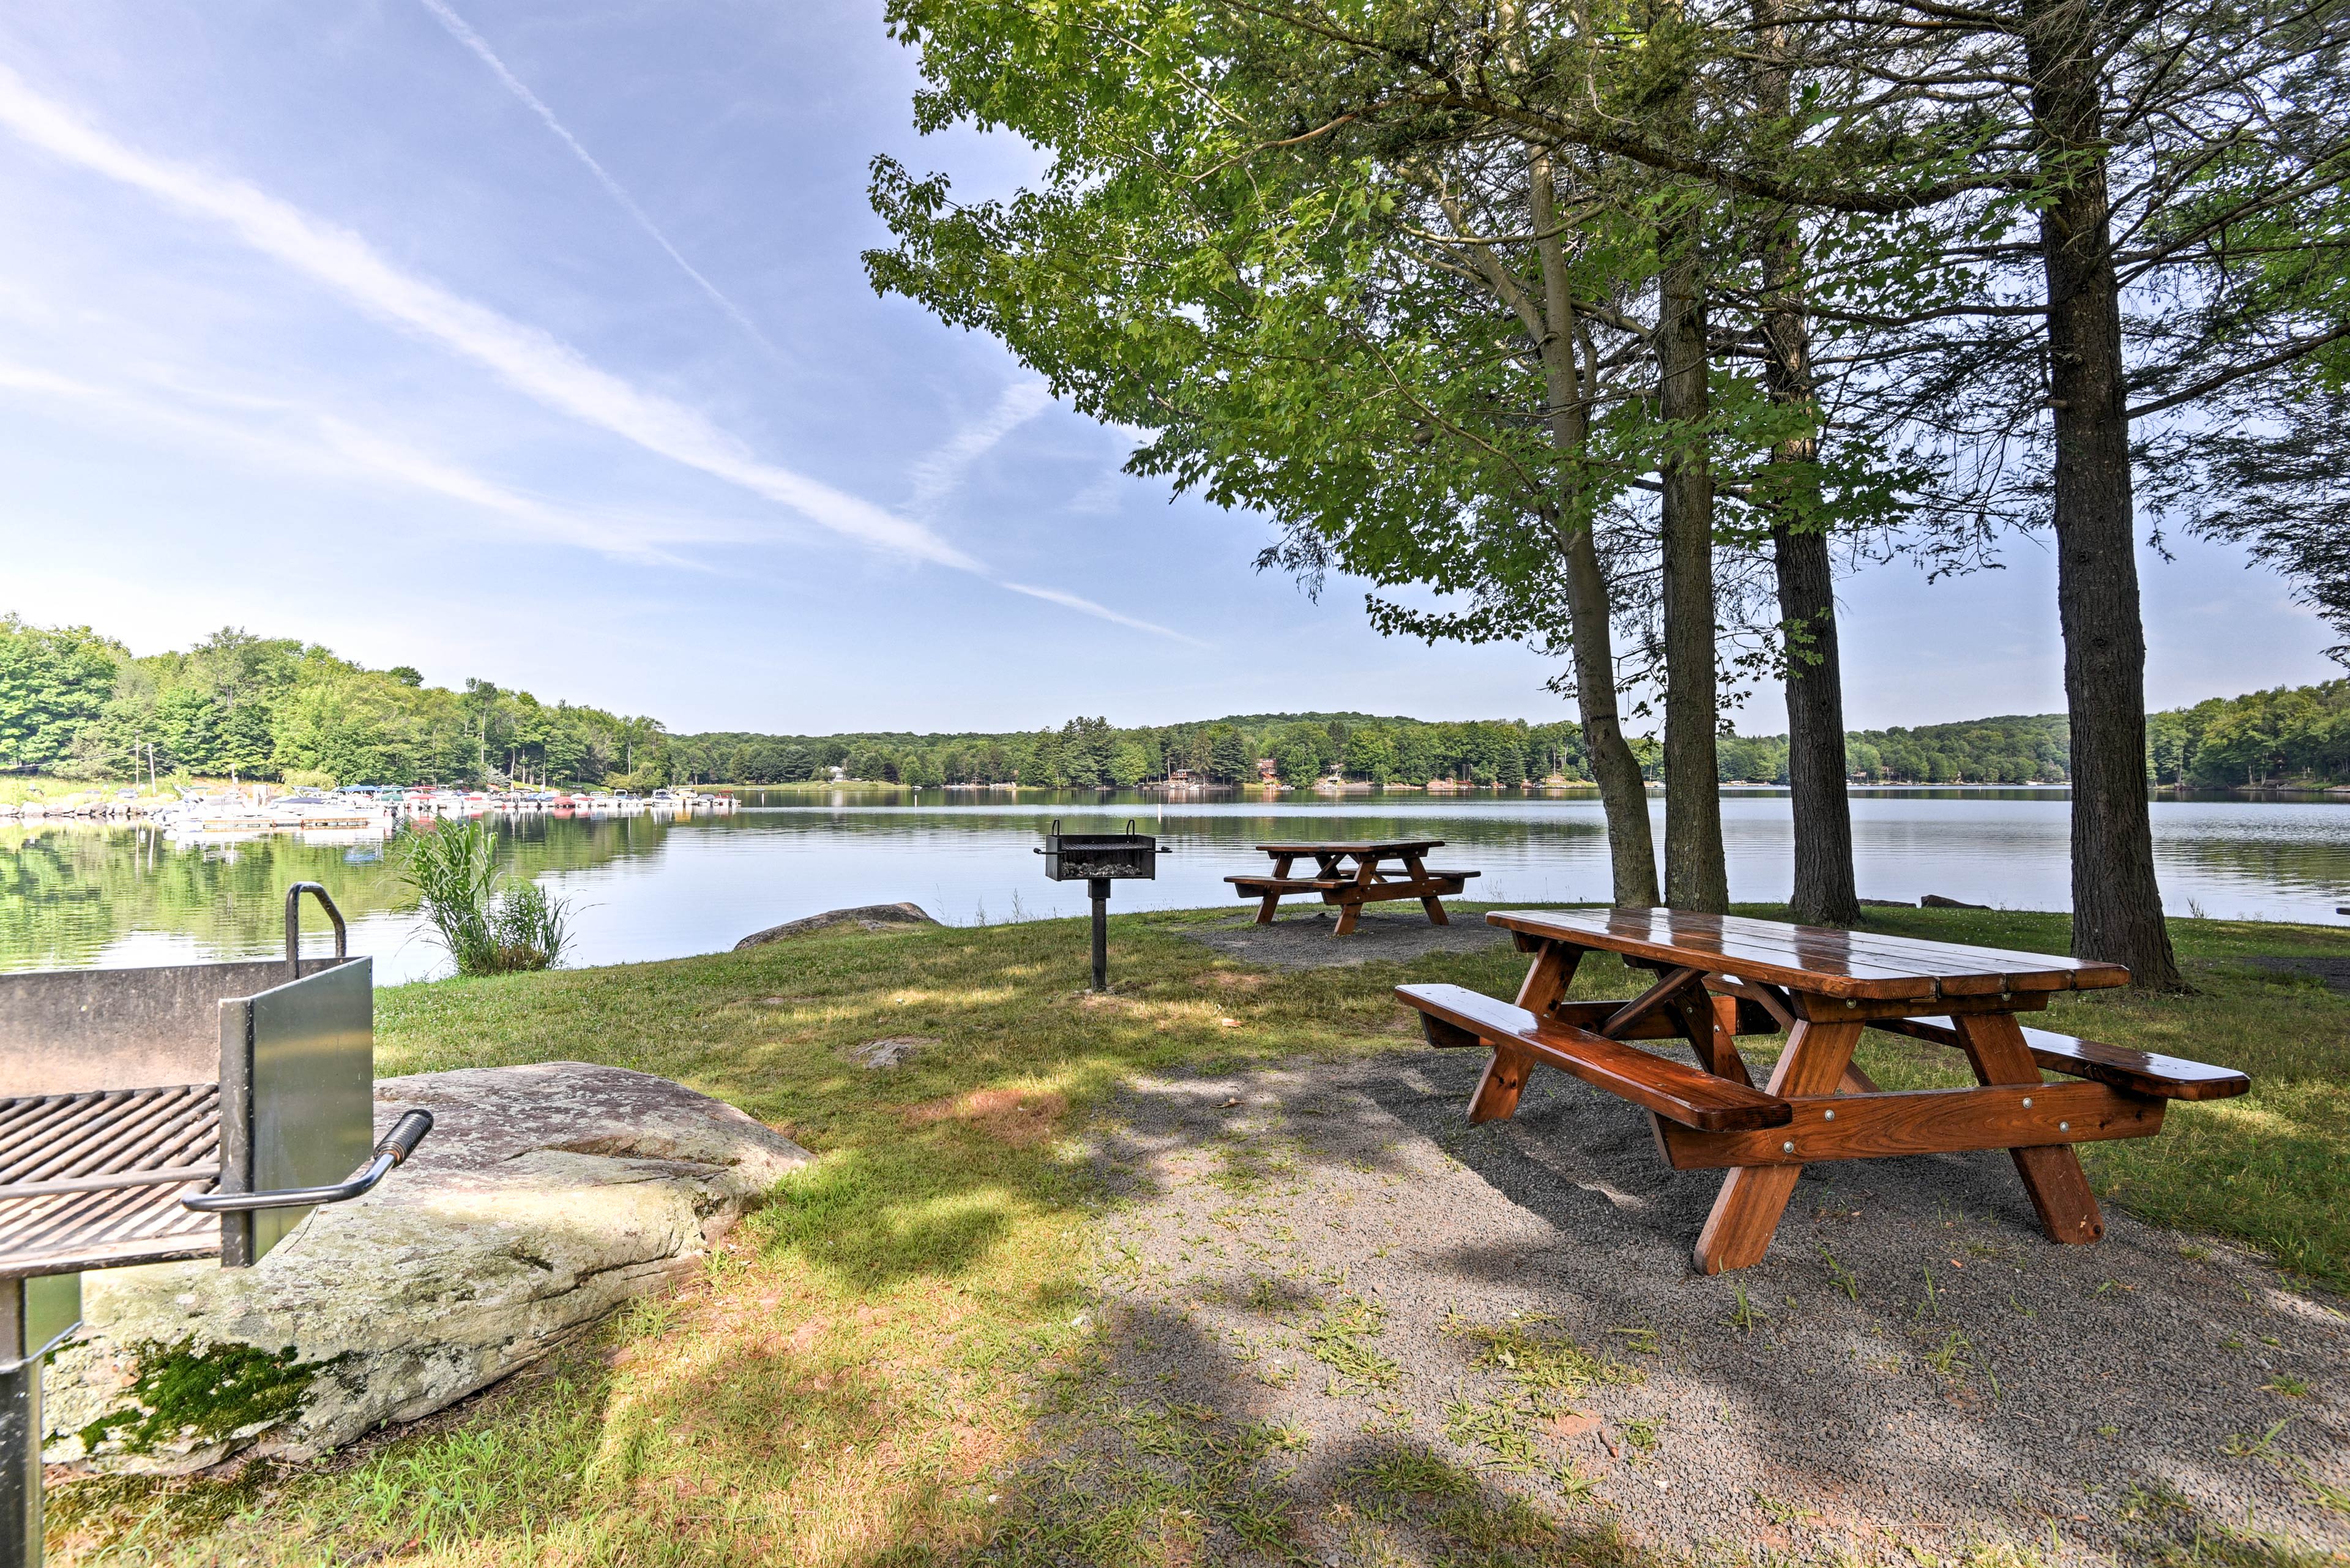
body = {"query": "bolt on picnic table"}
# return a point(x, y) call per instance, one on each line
point(1721, 976)
point(1350, 890)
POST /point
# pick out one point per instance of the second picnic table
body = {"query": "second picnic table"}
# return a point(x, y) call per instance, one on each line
point(1350, 887)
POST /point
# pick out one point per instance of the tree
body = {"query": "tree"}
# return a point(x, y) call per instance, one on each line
point(1285, 327)
point(1370, 755)
point(52, 683)
point(1229, 759)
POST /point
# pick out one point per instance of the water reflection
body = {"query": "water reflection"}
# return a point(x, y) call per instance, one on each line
point(645, 887)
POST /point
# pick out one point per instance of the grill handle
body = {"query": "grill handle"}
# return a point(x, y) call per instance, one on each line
point(397, 1145)
point(294, 928)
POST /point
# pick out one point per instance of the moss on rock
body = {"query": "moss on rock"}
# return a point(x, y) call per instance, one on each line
point(184, 1395)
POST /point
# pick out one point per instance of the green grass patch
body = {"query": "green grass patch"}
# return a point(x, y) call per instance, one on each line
point(875, 1355)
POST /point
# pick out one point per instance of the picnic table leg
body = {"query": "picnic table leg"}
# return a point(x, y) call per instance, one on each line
point(1746, 1212)
point(1429, 901)
point(1496, 1095)
point(1350, 909)
point(2052, 1173)
point(1281, 863)
point(1548, 977)
point(1713, 1038)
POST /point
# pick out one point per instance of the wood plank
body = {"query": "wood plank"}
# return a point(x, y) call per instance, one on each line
point(1830, 1010)
point(2052, 1174)
point(1922, 1121)
point(1385, 849)
point(1817, 959)
point(1668, 1088)
point(2141, 1072)
point(1386, 892)
point(1592, 1014)
point(1289, 883)
point(1746, 1213)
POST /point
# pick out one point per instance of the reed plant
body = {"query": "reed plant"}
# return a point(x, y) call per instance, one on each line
point(491, 921)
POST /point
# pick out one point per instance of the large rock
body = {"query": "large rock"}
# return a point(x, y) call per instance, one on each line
point(545, 1197)
point(872, 917)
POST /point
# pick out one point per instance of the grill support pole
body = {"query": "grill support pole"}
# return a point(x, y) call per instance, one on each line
point(20, 1462)
point(1097, 889)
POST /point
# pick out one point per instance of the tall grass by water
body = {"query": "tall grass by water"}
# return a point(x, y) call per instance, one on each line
point(492, 922)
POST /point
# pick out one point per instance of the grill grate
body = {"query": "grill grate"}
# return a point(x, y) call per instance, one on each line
point(95, 1180)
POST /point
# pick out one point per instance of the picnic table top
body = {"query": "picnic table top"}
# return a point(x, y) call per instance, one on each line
point(1818, 959)
point(1379, 846)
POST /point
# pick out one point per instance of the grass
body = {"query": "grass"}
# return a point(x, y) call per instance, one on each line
point(855, 1375)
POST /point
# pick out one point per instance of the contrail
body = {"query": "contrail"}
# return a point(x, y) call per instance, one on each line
point(480, 45)
point(532, 361)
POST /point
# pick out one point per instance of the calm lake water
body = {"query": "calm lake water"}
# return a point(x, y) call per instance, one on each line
point(75, 895)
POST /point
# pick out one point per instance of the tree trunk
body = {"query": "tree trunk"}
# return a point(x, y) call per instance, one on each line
point(2117, 905)
point(1695, 876)
point(1623, 794)
point(1823, 892)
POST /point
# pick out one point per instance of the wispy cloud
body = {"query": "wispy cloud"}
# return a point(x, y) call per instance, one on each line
point(528, 360)
point(525, 358)
point(281, 438)
point(1088, 606)
point(459, 29)
point(937, 476)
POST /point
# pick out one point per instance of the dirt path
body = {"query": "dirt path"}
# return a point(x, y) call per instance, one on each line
point(1341, 1325)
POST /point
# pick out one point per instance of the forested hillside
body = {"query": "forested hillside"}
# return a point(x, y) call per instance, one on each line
point(78, 704)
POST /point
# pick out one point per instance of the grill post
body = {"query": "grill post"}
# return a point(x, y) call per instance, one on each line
point(35, 1314)
point(20, 1461)
point(1097, 889)
point(1097, 859)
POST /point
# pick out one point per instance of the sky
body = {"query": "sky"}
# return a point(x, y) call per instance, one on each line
point(529, 341)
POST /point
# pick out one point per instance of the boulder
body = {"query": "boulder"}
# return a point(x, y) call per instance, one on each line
point(872, 917)
point(1936, 901)
point(545, 1197)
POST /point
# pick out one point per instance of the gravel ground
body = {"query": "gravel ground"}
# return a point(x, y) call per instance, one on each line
point(1330, 1267)
point(1304, 942)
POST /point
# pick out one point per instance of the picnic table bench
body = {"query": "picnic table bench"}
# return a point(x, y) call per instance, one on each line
point(1721, 976)
point(1367, 881)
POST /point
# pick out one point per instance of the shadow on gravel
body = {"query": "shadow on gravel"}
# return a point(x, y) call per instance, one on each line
point(1325, 1289)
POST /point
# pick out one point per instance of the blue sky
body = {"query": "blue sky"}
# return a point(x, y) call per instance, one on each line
point(529, 341)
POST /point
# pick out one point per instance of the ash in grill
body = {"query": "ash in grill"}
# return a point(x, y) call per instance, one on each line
point(150, 1115)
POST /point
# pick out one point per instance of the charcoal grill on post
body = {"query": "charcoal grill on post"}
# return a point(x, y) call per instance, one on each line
point(1097, 859)
point(153, 1115)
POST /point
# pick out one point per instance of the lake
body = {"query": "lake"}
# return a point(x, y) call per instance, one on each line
point(74, 894)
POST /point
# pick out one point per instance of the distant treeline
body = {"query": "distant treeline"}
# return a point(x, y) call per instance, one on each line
point(76, 703)
point(2298, 735)
point(79, 704)
point(1091, 752)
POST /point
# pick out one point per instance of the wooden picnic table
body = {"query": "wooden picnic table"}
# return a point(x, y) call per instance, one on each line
point(1367, 881)
point(1721, 976)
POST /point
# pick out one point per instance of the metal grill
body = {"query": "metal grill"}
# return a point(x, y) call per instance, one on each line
point(100, 1170)
point(94, 1180)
